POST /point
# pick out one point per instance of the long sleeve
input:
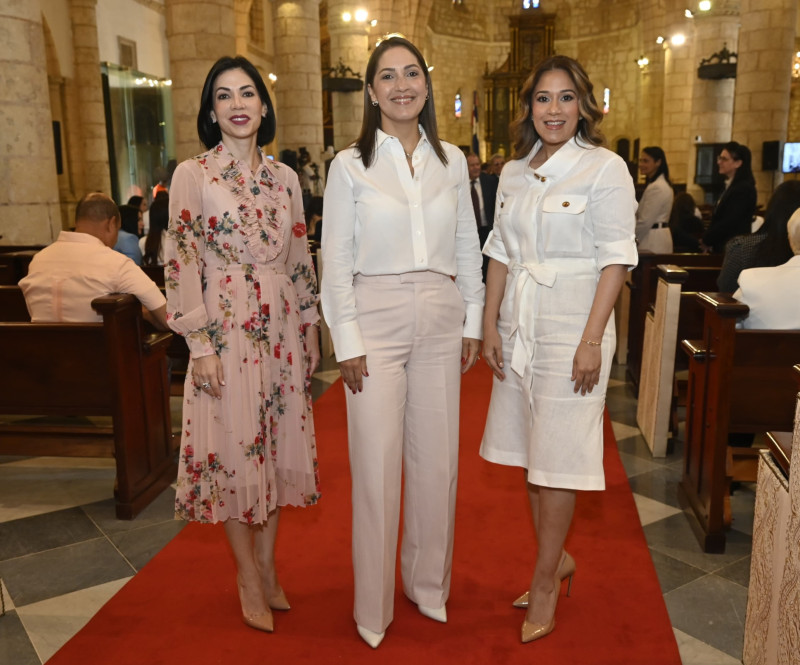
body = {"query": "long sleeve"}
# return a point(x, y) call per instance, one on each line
point(338, 257)
point(183, 258)
point(298, 260)
point(733, 216)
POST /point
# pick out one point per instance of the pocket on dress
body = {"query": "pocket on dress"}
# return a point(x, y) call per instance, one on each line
point(562, 222)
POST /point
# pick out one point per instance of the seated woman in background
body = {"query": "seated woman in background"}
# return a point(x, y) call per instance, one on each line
point(128, 238)
point(652, 215)
point(152, 245)
point(733, 213)
point(685, 224)
point(769, 246)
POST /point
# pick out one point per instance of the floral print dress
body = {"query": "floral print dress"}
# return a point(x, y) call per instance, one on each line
point(240, 284)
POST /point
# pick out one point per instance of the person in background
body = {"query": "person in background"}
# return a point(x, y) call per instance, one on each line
point(152, 245)
point(497, 162)
point(483, 191)
point(314, 219)
point(771, 293)
point(140, 202)
point(561, 245)
point(769, 246)
point(685, 224)
point(734, 210)
point(80, 266)
point(128, 240)
point(241, 289)
point(652, 215)
point(403, 297)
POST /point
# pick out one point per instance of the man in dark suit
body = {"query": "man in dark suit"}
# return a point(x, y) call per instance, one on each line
point(483, 188)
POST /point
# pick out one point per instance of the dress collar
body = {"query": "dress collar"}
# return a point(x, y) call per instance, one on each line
point(558, 164)
point(381, 137)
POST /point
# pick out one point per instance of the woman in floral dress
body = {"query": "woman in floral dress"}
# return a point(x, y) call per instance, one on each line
point(242, 290)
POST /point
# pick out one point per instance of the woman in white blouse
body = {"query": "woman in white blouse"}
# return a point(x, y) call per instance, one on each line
point(562, 241)
point(652, 216)
point(403, 297)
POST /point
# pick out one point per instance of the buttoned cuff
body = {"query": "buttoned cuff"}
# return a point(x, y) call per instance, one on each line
point(473, 321)
point(347, 341)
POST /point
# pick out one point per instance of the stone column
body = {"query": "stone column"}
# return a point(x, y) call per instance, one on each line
point(199, 32)
point(679, 79)
point(712, 100)
point(350, 42)
point(763, 81)
point(29, 208)
point(89, 90)
point(299, 85)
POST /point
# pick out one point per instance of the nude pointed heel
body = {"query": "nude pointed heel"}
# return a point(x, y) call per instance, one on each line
point(536, 631)
point(566, 570)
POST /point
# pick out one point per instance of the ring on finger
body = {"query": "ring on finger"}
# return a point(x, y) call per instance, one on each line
point(205, 385)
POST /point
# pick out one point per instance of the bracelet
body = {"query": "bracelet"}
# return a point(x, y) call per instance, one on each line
point(590, 342)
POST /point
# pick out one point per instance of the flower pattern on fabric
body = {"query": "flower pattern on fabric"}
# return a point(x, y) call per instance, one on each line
point(241, 285)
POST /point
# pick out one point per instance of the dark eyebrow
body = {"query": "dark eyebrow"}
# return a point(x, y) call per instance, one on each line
point(539, 92)
point(241, 87)
point(391, 69)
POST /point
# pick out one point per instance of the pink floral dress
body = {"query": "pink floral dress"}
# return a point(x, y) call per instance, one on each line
point(240, 283)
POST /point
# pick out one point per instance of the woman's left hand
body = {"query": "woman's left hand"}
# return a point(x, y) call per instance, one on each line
point(586, 367)
point(312, 346)
point(469, 353)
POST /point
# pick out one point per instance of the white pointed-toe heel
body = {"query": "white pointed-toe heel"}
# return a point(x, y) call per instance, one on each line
point(435, 614)
point(370, 637)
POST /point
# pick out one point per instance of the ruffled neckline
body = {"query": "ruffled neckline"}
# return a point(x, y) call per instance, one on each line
point(260, 225)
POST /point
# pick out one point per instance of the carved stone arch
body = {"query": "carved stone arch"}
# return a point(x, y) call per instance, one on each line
point(422, 16)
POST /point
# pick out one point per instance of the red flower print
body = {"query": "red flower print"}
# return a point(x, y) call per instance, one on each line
point(289, 357)
point(226, 245)
point(212, 222)
point(259, 214)
point(265, 309)
point(186, 216)
point(277, 352)
point(299, 230)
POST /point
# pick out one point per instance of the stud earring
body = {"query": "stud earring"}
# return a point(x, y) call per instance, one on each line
point(374, 102)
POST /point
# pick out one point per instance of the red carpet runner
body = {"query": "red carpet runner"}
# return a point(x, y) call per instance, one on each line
point(183, 608)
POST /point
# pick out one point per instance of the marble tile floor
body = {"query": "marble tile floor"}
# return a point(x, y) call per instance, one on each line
point(63, 554)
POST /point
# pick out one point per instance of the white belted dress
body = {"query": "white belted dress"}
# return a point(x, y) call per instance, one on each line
point(556, 227)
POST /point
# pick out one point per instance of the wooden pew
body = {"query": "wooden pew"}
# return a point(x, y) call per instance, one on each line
point(642, 283)
point(66, 371)
point(673, 316)
point(14, 265)
point(739, 381)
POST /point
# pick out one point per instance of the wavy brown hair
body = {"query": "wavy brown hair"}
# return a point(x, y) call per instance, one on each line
point(522, 130)
point(371, 122)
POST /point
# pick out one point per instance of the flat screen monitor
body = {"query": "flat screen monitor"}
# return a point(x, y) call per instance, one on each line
point(791, 158)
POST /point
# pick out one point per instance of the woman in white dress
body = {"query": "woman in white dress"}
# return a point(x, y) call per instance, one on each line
point(562, 241)
point(403, 297)
point(652, 216)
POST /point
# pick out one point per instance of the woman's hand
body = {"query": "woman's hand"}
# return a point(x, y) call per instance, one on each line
point(353, 370)
point(493, 351)
point(586, 367)
point(207, 374)
point(312, 348)
point(469, 353)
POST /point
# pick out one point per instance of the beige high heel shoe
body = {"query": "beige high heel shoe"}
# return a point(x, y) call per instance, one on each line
point(262, 621)
point(279, 601)
point(566, 569)
point(536, 631)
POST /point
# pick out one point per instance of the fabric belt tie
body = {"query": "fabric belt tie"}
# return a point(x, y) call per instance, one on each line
point(660, 225)
point(527, 277)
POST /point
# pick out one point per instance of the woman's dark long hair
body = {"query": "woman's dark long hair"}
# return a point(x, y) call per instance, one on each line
point(657, 154)
point(741, 152)
point(774, 249)
point(129, 218)
point(371, 123)
point(207, 129)
point(159, 220)
point(522, 130)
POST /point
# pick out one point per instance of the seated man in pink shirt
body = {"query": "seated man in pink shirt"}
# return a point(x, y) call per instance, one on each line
point(80, 266)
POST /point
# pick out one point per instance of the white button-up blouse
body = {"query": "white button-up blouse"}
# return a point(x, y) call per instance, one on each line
point(384, 221)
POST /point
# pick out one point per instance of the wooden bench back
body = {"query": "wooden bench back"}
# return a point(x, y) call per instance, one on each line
point(56, 369)
point(12, 304)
